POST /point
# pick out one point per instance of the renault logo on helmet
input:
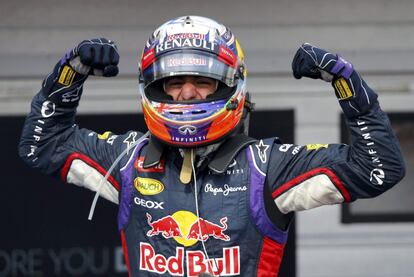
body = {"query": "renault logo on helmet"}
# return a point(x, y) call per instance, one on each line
point(187, 130)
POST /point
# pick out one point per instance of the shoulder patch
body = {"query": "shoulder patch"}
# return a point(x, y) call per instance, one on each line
point(316, 146)
point(66, 76)
point(342, 89)
point(262, 151)
point(104, 135)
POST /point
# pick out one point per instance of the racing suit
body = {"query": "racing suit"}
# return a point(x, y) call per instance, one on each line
point(238, 217)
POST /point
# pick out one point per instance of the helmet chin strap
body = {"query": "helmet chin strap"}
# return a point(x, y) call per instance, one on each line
point(188, 163)
point(186, 168)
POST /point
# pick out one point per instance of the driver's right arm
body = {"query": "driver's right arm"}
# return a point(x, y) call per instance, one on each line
point(53, 143)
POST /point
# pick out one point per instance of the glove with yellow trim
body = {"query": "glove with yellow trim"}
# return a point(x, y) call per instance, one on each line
point(98, 56)
point(354, 95)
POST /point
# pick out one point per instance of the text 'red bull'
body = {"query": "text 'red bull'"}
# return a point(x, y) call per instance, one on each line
point(195, 261)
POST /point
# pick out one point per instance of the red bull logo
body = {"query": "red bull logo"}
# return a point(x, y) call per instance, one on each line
point(166, 226)
point(203, 229)
point(186, 228)
point(196, 262)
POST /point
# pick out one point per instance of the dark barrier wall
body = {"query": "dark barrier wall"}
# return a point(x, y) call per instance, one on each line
point(45, 230)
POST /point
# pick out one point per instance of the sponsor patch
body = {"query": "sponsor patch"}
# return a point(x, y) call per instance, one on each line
point(148, 203)
point(48, 109)
point(342, 89)
point(186, 35)
point(377, 176)
point(148, 186)
point(66, 76)
point(316, 146)
point(138, 164)
point(186, 61)
point(227, 56)
point(186, 228)
point(224, 190)
point(190, 263)
point(130, 140)
point(147, 58)
point(261, 151)
point(185, 43)
point(104, 135)
point(108, 136)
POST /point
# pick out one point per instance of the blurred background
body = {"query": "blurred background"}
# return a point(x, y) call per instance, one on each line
point(45, 231)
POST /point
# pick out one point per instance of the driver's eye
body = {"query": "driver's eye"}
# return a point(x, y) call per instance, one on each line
point(175, 83)
point(204, 82)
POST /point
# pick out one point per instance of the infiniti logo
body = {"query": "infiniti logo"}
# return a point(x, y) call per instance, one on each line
point(377, 176)
point(187, 130)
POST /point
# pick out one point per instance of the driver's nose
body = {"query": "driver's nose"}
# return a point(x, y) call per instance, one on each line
point(188, 91)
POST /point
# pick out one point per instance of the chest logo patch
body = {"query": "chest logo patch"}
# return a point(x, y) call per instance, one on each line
point(315, 146)
point(138, 164)
point(186, 228)
point(261, 151)
point(148, 186)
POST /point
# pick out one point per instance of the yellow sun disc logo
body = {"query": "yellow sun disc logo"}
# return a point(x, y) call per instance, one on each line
point(185, 219)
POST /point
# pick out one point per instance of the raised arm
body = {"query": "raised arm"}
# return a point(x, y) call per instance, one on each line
point(305, 177)
point(52, 142)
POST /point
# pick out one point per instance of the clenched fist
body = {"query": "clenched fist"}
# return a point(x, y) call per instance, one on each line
point(313, 62)
point(98, 56)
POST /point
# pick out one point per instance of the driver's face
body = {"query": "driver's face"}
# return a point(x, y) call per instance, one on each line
point(182, 88)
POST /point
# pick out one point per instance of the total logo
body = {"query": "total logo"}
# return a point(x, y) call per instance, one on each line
point(138, 164)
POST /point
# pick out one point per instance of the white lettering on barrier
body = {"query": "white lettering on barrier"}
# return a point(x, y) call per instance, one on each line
point(65, 261)
point(119, 260)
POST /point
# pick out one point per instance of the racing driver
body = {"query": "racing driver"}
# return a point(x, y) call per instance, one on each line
point(196, 194)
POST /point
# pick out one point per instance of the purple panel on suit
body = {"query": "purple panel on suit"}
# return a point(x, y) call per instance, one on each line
point(125, 202)
point(257, 208)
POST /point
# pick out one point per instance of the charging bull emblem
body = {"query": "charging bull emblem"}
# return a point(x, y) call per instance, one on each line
point(203, 229)
point(166, 226)
point(186, 228)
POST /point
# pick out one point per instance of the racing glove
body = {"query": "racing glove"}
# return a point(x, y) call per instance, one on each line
point(97, 56)
point(354, 95)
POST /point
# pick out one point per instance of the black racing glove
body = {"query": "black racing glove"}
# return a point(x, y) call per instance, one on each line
point(354, 95)
point(97, 56)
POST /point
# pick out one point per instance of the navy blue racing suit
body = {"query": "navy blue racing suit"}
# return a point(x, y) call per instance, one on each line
point(240, 221)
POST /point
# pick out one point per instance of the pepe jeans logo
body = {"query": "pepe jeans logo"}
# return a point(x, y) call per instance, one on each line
point(187, 130)
point(225, 190)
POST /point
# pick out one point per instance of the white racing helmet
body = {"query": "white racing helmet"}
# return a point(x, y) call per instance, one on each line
point(195, 46)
